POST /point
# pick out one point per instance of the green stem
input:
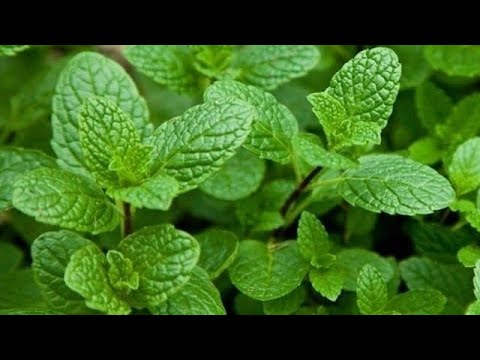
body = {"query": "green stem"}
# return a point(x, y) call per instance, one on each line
point(459, 225)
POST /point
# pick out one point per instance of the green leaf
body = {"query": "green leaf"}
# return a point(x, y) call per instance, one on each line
point(58, 197)
point(218, 250)
point(359, 222)
point(155, 193)
point(418, 302)
point(328, 282)
point(474, 308)
point(476, 280)
point(273, 125)
point(452, 280)
point(287, 304)
point(469, 255)
point(11, 50)
point(415, 69)
point(269, 66)
point(86, 274)
point(14, 162)
point(395, 185)
point(351, 261)
point(464, 170)
point(239, 177)
point(29, 312)
point(372, 294)
point(310, 149)
point(164, 258)
point(433, 105)
point(166, 64)
point(90, 74)
point(267, 272)
point(19, 290)
point(426, 151)
point(212, 60)
point(473, 218)
point(312, 238)
point(120, 272)
point(454, 60)
point(10, 257)
point(197, 297)
point(111, 147)
point(51, 253)
point(194, 146)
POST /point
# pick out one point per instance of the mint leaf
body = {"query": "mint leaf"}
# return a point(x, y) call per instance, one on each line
point(415, 69)
point(120, 272)
point(29, 312)
point(372, 294)
point(476, 280)
point(10, 257)
point(287, 304)
point(426, 151)
point(351, 261)
point(164, 258)
point(90, 74)
point(464, 170)
point(62, 198)
point(194, 146)
point(197, 297)
point(111, 147)
point(166, 64)
point(474, 308)
point(273, 125)
point(212, 60)
point(267, 272)
point(268, 66)
point(11, 50)
point(433, 105)
point(310, 149)
point(395, 185)
point(86, 274)
point(312, 238)
point(51, 253)
point(454, 60)
point(218, 250)
point(19, 290)
point(328, 282)
point(155, 193)
point(469, 255)
point(239, 177)
point(418, 302)
point(14, 162)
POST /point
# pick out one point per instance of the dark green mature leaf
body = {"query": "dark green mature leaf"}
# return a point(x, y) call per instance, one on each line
point(287, 304)
point(19, 290)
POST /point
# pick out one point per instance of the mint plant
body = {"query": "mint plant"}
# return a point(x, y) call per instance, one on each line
point(224, 179)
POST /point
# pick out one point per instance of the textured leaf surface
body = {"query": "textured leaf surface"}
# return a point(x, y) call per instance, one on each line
point(418, 302)
point(10, 257)
point(164, 258)
point(51, 253)
point(395, 185)
point(86, 274)
point(454, 60)
point(273, 125)
point(194, 146)
point(464, 169)
point(474, 308)
point(476, 280)
point(268, 66)
point(264, 273)
point(372, 293)
point(120, 272)
point(287, 304)
point(91, 74)
point(469, 255)
point(239, 177)
point(62, 198)
point(14, 162)
point(197, 297)
point(312, 238)
point(328, 282)
point(218, 250)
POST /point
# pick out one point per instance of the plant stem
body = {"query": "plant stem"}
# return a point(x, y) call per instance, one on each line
point(127, 228)
point(298, 191)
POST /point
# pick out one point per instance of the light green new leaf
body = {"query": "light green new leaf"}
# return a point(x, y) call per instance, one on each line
point(218, 250)
point(14, 162)
point(164, 258)
point(10, 257)
point(267, 272)
point(197, 297)
point(155, 193)
point(309, 148)
point(328, 282)
point(111, 147)
point(312, 238)
point(415, 69)
point(454, 60)
point(433, 105)
point(194, 146)
point(469, 255)
point(11, 50)
point(86, 274)
point(212, 60)
point(287, 304)
point(120, 272)
point(474, 308)
point(269, 66)
point(273, 125)
point(239, 177)
point(418, 302)
point(166, 64)
point(351, 261)
point(58, 197)
point(51, 253)
point(464, 169)
point(476, 280)
point(19, 290)
point(395, 185)
point(91, 74)
point(425, 150)
point(372, 293)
